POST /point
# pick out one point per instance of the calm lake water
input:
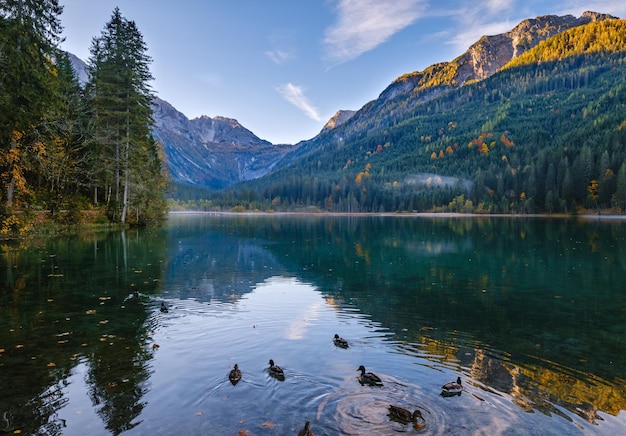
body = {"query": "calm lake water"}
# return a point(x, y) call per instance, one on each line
point(530, 313)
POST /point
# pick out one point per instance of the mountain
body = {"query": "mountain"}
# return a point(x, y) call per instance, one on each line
point(530, 120)
point(212, 152)
point(218, 152)
point(205, 152)
point(337, 120)
point(483, 59)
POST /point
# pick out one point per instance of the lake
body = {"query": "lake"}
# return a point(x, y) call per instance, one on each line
point(530, 313)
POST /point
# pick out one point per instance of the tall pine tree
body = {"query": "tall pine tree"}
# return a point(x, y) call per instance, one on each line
point(130, 172)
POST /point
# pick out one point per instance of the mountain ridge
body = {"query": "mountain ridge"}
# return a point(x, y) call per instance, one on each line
point(218, 152)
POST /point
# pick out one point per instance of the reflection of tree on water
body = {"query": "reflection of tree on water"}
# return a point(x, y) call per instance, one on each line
point(461, 285)
point(118, 382)
point(55, 314)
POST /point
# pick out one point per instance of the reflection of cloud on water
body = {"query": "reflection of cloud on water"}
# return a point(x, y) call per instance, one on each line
point(299, 304)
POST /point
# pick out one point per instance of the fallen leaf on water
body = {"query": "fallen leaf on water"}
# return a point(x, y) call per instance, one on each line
point(19, 346)
point(1, 350)
point(199, 413)
point(17, 431)
point(154, 346)
point(104, 298)
point(111, 385)
point(84, 344)
point(103, 339)
point(243, 432)
point(268, 424)
point(91, 312)
point(62, 342)
point(51, 364)
point(50, 300)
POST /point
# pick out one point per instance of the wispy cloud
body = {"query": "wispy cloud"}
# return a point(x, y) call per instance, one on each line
point(278, 56)
point(283, 46)
point(363, 25)
point(294, 94)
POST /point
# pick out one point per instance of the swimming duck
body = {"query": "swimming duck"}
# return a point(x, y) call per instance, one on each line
point(276, 370)
point(340, 342)
point(369, 378)
point(453, 388)
point(235, 374)
point(306, 431)
point(164, 308)
point(402, 415)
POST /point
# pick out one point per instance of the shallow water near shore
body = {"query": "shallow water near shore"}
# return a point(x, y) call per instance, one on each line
point(529, 312)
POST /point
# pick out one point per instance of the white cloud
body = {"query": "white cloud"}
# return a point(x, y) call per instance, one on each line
point(363, 25)
point(295, 95)
point(283, 46)
point(278, 56)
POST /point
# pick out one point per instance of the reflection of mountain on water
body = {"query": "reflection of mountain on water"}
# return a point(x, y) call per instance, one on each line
point(217, 264)
point(498, 299)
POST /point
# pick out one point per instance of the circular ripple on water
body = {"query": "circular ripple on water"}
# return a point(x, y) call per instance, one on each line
point(366, 411)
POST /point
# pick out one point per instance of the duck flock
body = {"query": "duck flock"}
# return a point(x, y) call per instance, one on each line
point(396, 413)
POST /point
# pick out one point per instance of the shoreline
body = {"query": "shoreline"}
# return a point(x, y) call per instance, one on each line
point(586, 216)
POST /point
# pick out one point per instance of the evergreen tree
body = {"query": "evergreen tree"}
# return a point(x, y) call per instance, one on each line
point(120, 95)
point(29, 35)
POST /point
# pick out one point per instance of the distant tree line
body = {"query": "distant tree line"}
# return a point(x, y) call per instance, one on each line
point(65, 147)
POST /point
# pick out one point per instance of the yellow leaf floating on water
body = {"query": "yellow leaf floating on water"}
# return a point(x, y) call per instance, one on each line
point(104, 298)
point(51, 364)
point(1, 350)
point(91, 312)
point(18, 346)
point(17, 431)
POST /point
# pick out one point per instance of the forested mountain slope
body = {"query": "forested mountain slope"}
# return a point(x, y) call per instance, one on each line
point(545, 133)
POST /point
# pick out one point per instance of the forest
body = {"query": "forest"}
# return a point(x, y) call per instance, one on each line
point(66, 148)
point(546, 134)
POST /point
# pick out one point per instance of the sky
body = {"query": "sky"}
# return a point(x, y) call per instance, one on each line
point(283, 68)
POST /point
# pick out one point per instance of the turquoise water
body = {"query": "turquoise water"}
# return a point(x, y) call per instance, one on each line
point(530, 313)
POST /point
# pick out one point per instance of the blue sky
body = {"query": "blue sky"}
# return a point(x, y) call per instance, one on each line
point(282, 68)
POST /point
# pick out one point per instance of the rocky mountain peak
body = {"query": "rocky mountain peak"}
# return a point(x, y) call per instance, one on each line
point(487, 55)
point(338, 119)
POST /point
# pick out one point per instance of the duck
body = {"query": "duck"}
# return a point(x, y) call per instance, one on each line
point(235, 374)
point(340, 342)
point(276, 370)
point(453, 387)
point(164, 308)
point(369, 378)
point(306, 431)
point(400, 414)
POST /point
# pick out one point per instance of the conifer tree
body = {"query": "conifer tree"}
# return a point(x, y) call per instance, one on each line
point(120, 96)
point(29, 35)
